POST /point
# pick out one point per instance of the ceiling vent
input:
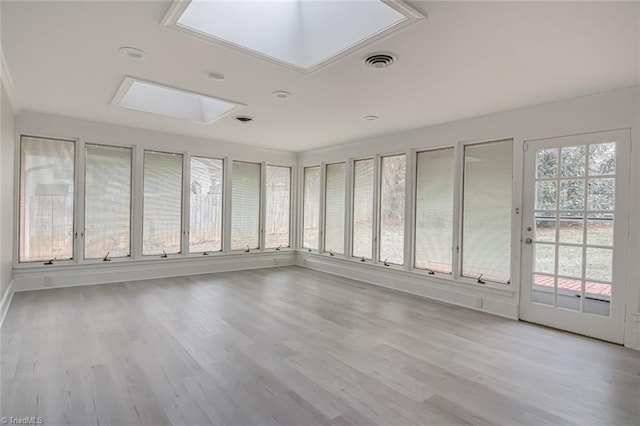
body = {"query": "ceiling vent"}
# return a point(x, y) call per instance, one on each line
point(243, 118)
point(380, 60)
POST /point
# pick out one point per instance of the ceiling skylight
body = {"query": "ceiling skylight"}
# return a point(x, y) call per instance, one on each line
point(300, 34)
point(158, 99)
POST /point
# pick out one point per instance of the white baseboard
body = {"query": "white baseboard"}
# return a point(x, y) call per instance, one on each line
point(78, 275)
point(7, 297)
point(474, 298)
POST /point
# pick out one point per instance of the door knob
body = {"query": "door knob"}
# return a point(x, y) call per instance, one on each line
point(528, 240)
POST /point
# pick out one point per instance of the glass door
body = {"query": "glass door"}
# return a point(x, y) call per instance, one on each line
point(574, 249)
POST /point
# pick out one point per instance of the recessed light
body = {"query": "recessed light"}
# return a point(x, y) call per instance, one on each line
point(281, 94)
point(215, 77)
point(132, 52)
point(370, 117)
point(243, 118)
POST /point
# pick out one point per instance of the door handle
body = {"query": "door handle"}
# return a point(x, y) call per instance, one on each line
point(528, 240)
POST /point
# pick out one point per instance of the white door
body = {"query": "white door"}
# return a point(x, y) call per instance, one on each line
point(575, 215)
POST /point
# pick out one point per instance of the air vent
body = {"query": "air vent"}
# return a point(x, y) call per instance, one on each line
point(380, 60)
point(243, 118)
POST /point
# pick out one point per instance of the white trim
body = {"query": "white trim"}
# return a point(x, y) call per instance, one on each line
point(7, 83)
point(412, 17)
point(78, 275)
point(479, 298)
point(6, 302)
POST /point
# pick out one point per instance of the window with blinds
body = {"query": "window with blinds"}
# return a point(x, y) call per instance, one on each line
point(245, 206)
point(162, 203)
point(107, 202)
point(334, 207)
point(278, 206)
point(362, 233)
point(205, 204)
point(392, 189)
point(487, 192)
point(46, 199)
point(434, 210)
point(311, 208)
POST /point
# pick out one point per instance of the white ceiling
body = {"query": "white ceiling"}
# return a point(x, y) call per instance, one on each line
point(467, 59)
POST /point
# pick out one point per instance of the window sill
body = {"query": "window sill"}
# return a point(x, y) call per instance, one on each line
point(438, 277)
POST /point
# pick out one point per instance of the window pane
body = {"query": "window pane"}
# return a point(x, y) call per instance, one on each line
point(278, 206)
point(434, 210)
point(334, 208)
point(392, 184)
point(311, 207)
point(107, 210)
point(205, 204)
point(245, 206)
point(363, 208)
point(46, 199)
point(162, 209)
point(486, 242)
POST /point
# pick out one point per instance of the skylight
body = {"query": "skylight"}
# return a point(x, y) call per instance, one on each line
point(300, 34)
point(158, 99)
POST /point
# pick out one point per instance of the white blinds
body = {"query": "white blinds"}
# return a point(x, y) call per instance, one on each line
point(434, 210)
point(205, 204)
point(162, 203)
point(278, 206)
point(245, 205)
point(46, 199)
point(486, 238)
point(363, 208)
point(311, 221)
point(107, 209)
point(334, 208)
point(392, 187)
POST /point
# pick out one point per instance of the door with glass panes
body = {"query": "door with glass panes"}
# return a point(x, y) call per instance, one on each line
point(575, 233)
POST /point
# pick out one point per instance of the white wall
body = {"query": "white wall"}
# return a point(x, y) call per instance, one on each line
point(7, 145)
point(606, 111)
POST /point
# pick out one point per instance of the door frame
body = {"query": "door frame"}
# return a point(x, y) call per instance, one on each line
point(605, 328)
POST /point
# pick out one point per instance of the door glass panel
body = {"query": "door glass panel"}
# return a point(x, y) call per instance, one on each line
point(572, 194)
point(597, 299)
point(546, 195)
point(601, 194)
point(570, 261)
point(547, 163)
point(545, 258)
point(599, 262)
point(602, 159)
point(569, 293)
point(543, 289)
point(572, 164)
point(600, 229)
point(545, 227)
point(571, 228)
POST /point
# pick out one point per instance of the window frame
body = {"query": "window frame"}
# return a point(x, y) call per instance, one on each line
point(323, 195)
point(408, 196)
point(261, 204)
point(291, 208)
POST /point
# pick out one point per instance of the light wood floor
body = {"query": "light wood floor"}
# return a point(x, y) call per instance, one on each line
point(294, 347)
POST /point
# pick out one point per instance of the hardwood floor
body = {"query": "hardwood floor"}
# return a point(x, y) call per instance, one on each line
point(289, 346)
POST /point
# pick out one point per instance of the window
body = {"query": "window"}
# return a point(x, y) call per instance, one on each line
point(392, 188)
point(434, 210)
point(162, 203)
point(334, 208)
point(363, 208)
point(245, 206)
point(486, 230)
point(107, 204)
point(278, 200)
point(205, 205)
point(311, 221)
point(46, 199)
